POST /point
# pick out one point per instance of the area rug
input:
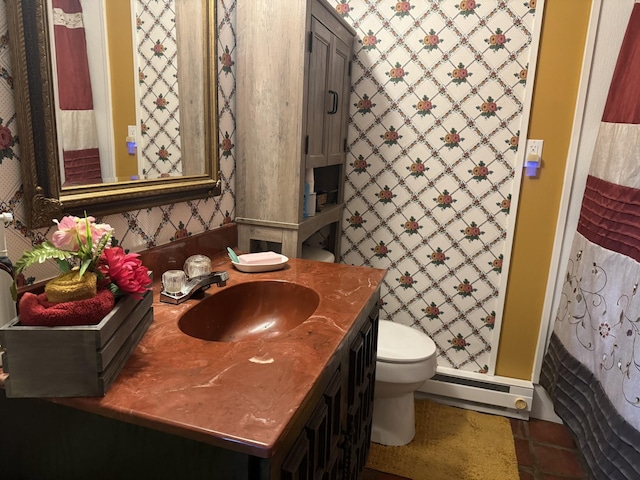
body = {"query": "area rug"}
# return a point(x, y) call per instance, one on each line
point(451, 443)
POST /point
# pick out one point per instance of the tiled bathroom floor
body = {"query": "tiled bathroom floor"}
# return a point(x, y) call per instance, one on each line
point(545, 451)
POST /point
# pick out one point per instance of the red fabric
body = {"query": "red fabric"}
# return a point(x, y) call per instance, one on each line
point(69, 6)
point(74, 84)
point(623, 102)
point(610, 217)
point(75, 94)
point(82, 167)
point(36, 310)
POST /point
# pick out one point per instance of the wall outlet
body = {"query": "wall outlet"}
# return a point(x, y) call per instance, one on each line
point(131, 131)
point(534, 149)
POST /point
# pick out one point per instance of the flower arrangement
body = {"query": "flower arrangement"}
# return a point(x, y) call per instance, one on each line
point(83, 249)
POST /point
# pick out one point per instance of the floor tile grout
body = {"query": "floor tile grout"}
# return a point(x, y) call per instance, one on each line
point(537, 469)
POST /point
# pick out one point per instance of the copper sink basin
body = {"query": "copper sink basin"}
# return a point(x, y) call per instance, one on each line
point(249, 311)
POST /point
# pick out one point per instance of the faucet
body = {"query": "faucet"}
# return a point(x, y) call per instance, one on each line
point(193, 285)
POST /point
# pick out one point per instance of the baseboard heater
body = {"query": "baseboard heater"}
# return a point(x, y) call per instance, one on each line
point(499, 395)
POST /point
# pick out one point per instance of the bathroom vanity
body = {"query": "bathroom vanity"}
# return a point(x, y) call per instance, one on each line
point(296, 405)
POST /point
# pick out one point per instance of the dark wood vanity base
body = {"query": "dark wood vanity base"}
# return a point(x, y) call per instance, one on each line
point(297, 405)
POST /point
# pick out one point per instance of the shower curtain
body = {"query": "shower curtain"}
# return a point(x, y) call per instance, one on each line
point(77, 124)
point(592, 365)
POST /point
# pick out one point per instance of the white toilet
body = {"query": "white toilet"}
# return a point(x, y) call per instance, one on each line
point(318, 254)
point(406, 358)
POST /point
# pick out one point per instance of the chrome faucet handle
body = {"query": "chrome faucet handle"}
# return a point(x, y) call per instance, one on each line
point(220, 278)
point(194, 285)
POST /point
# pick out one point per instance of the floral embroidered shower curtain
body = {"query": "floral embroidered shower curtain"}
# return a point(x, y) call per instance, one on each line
point(592, 366)
point(77, 125)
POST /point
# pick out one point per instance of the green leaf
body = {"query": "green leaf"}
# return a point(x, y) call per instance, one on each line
point(115, 290)
point(64, 266)
point(41, 253)
point(84, 266)
point(87, 233)
point(102, 243)
point(14, 291)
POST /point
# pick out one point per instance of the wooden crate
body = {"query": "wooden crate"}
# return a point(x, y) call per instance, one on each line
point(74, 361)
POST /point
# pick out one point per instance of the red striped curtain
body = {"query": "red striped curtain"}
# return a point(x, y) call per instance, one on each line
point(592, 366)
point(77, 125)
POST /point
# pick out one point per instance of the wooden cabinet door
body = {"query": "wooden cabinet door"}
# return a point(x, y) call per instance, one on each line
point(317, 94)
point(317, 434)
point(328, 93)
point(296, 466)
point(340, 89)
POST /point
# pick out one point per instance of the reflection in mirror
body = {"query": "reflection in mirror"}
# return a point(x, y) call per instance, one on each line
point(121, 97)
point(115, 118)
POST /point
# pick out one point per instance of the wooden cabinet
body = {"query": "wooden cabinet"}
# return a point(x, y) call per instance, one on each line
point(293, 87)
point(328, 438)
point(361, 383)
point(327, 95)
point(334, 442)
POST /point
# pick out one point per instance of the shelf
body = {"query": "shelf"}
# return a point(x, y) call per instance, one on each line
point(290, 235)
point(328, 214)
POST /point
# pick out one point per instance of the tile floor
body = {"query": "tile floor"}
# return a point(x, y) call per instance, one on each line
point(545, 451)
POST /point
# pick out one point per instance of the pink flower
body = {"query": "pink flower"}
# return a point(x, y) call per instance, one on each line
point(72, 230)
point(98, 230)
point(125, 270)
point(66, 237)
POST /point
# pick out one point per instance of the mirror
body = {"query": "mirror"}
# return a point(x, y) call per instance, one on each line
point(47, 192)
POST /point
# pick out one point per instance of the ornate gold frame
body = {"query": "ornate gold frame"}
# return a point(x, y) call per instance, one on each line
point(44, 197)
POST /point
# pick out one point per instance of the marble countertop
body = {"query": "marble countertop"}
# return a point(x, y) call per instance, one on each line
point(242, 395)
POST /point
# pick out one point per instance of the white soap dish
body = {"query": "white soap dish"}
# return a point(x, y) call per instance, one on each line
point(275, 264)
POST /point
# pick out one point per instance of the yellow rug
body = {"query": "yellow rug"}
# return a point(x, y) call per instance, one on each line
point(451, 443)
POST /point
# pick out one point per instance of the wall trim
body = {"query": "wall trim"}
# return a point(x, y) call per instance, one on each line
point(497, 395)
point(554, 268)
point(542, 408)
point(527, 102)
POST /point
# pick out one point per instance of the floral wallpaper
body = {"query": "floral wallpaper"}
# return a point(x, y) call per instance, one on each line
point(157, 55)
point(434, 128)
point(138, 229)
point(435, 122)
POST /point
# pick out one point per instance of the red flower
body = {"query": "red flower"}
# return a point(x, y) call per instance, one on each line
point(126, 271)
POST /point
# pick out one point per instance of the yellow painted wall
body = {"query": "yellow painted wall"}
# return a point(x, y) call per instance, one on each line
point(564, 31)
point(118, 13)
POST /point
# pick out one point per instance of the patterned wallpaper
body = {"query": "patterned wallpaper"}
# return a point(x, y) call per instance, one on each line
point(435, 122)
point(138, 229)
point(157, 55)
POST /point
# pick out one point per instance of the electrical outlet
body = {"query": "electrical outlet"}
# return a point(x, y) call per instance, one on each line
point(534, 148)
point(131, 131)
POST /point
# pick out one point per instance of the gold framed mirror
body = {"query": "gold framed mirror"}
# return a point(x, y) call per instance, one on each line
point(47, 195)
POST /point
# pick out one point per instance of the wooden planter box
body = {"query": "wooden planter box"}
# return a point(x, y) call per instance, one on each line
point(74, 361)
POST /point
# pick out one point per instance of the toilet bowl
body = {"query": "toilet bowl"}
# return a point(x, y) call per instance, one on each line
point(318, 254)
point(406, 358)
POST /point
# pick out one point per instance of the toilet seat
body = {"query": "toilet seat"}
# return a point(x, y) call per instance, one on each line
point(398, 343)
